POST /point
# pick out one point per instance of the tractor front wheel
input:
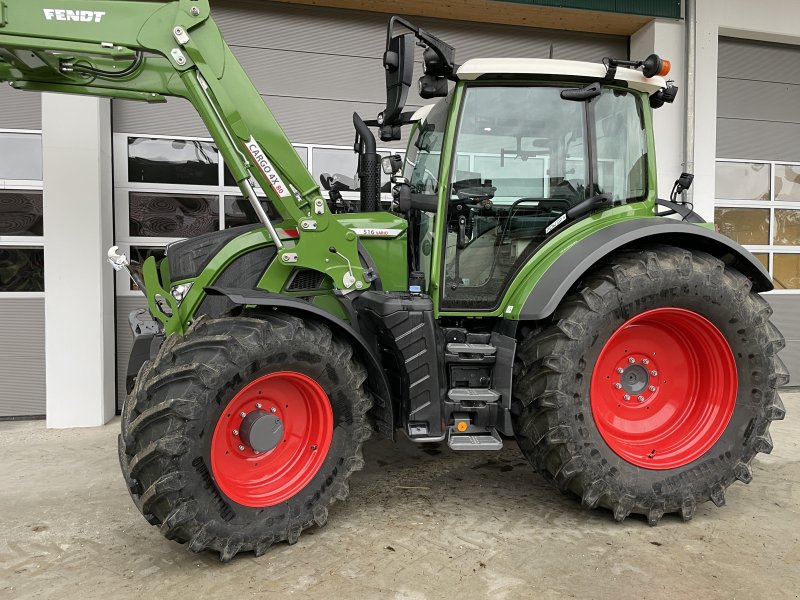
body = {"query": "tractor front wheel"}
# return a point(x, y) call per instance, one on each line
point(239, 434)
point(653, 386)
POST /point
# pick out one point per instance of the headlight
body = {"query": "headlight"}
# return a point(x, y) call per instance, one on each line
point(179, 291)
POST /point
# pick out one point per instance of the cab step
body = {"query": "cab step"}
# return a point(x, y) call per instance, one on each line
point(471, 349)
point(489, 440)
point(473, 395)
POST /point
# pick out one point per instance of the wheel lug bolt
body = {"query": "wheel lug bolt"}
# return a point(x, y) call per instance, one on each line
point(241, 447)
point(243, 414)
point(652, 388)
point(631, 360)
point(618, 386)
point(646, 361)
point(653, 372)
point(258, 404)
point(235, 432)
point(314, 447)
point(640, 398)
point(273, 410)
point(619, 369)
point(626, 397)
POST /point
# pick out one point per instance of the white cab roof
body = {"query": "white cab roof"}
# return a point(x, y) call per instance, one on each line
point(476, 67)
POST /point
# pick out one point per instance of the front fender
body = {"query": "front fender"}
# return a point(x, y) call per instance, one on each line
point(546, 293)
point(376, 376)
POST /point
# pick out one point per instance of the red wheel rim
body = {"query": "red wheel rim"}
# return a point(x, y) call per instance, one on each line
point(303, 414)
point(664, 388)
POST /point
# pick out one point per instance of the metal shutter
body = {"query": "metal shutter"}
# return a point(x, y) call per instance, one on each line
point(758, 100)
point(20, 110)
point(22, 376)
point(315, 66)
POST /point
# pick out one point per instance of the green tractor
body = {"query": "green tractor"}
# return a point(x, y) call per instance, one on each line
point(527, 282)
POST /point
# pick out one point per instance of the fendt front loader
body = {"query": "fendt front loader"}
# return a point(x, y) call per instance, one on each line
point(526, 282)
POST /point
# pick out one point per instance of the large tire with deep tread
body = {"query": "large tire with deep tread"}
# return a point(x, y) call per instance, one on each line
point(552, 410)
point(169, 418)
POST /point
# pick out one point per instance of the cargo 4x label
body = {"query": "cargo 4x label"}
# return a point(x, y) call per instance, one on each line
point(265, 166)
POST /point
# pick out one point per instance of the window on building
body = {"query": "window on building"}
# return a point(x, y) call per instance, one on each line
point(172, 215)
point(21, 213)
point(21, 156)
point(758, 205)
point(173, 161)
point(168, 189)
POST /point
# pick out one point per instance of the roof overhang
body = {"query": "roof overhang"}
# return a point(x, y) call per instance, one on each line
point(501, 13)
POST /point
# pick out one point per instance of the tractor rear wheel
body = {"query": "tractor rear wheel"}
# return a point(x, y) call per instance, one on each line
point(239, 434)
point(653, 386)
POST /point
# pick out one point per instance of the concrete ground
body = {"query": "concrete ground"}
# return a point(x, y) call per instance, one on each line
point(420, 523)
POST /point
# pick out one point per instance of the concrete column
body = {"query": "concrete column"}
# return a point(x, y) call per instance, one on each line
point(79, 284)
point(666, 38)
point(705, 107)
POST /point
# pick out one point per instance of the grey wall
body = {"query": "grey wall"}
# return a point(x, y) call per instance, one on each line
point(758, 100)
point(22, 374)
point(315, 66)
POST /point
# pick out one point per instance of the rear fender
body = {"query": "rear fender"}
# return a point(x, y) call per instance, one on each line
point(376, 377)
point(546, 293)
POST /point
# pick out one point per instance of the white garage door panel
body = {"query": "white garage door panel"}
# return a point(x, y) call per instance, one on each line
point(174, 117)
point(761, 140)
point(354, 33)
point(323, 121)
point(20, 110)
point(22, 377)
point(758, 61)
point(302, 53)
point(274, 72)
point(758, 100)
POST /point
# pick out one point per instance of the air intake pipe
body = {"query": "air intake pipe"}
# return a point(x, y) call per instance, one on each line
point(369, 166)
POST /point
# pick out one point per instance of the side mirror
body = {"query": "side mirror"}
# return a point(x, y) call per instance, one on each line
point(683, 183)
point(398, 61)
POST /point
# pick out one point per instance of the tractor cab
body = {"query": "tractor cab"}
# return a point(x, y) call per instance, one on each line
point(518, 150)
point(520, 161)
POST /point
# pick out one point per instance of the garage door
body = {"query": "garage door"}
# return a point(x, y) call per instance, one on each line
point(22, 376)
point(758, 169)
point(314, 67)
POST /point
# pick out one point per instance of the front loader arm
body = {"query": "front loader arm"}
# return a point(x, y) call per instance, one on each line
point(141, 50)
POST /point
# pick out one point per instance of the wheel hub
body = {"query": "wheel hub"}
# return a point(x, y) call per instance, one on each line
point(635, 379)
point(260, 430)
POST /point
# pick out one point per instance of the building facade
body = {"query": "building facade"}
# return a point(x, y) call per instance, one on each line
point(78, 175)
